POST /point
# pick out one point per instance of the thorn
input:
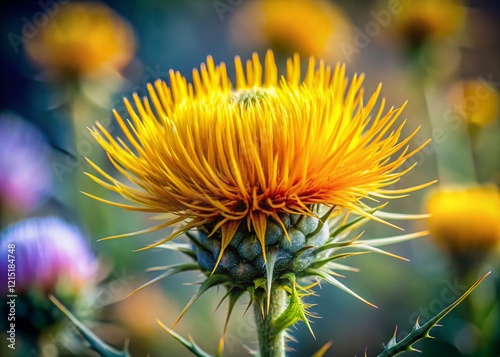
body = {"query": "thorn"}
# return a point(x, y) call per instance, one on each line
point(411, 349)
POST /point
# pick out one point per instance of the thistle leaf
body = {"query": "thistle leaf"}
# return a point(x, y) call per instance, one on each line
point(296, 310)
point(380, 251)
point(189, 344)
point(380, 242)
point(95, 342)
point(355, 223)
point(169, 271)
point(196, 242)
point(326, 275)
point(338, 266)
point(394, 348)
point(234, 295)
point(336, 245)
point(251, 293)
point(179, 247)
point(211, 281)
point(321, 222)
point(399, 216)
point(349, 226)
point(320, 263)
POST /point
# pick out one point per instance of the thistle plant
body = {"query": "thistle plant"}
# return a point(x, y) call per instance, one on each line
point(52, 257)
point(266, 180)
point(23, 155)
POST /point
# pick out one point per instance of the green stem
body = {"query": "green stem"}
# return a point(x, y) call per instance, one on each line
point(271, 340)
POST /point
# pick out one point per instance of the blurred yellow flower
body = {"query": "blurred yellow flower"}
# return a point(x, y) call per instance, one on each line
point(465, 219)
point(81, 38)
point(311, 28)
point(216, 156)
point(481, 102)
point(420, 20)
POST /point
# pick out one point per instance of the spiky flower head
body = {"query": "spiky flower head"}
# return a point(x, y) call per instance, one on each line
point(46, 255)
point(51, 255)
point(259, 174)
point(220, 156)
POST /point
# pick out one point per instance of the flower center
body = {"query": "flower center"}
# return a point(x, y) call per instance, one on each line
point(251, 96)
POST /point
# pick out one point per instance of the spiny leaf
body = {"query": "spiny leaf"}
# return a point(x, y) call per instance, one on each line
point(196, 242)
point(95, 342)
point(348, 226)
point(179, 247)
point(321, 222)
point(335, 245)
point(304, 250)
point(354, 223)
point(251, 293)
point(400, 216)
point(418, 332)
point(337, 266)
point(320, 263)
point(260, 283)
point(211, 281)
point(296, 310)
point(380, 251)
point(177, 267)
point(326, 275)
point(189, 344)
point(379, 242)
point(170, 270)
point(234, 295)
point(393, 342)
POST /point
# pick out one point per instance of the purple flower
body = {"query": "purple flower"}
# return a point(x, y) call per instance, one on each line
point(48, 252)
point(24, 168)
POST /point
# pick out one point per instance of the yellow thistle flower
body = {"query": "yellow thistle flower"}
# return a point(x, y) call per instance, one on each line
point(311, 28)
point(82, 38)
point(421, 20)
point(465, 220)
point(259, 175)
point(219, 156)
